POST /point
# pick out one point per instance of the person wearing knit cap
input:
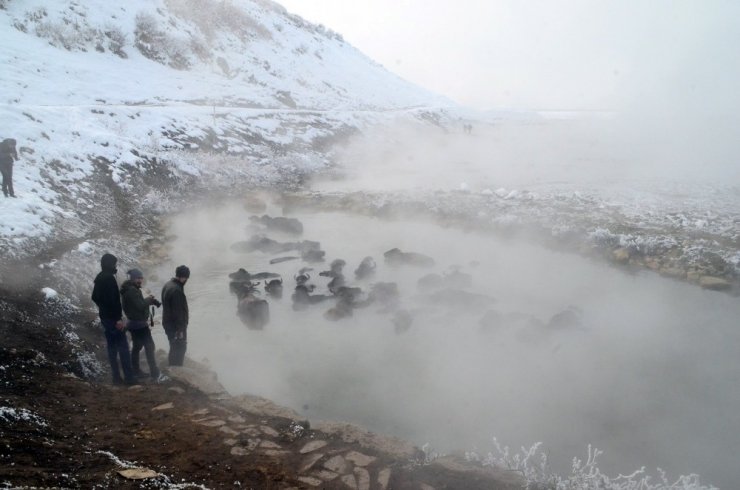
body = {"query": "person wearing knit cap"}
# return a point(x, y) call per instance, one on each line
point(136, 308)
point(106, 296)
point(175, 315)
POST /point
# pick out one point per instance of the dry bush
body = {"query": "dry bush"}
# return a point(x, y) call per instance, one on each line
point(157, 45)
point(212, 17)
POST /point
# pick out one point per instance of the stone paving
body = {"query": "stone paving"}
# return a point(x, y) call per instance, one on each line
point(330, 455)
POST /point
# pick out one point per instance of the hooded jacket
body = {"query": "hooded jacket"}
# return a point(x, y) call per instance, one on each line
point(134, 305)
point(8, 153)
point(105, 290)
point(175, 314)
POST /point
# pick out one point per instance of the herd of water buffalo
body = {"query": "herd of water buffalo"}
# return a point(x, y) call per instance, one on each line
point(448, 289)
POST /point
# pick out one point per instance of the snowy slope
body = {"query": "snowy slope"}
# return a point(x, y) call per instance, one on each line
point(102, 94)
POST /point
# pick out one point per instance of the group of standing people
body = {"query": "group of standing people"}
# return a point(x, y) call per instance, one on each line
point(113, 303)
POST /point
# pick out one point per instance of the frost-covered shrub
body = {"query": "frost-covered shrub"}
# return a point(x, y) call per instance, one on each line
point(11, 415)
point(200, 48)
point(116, 40)
point(67, 35)
point(148, 39)
point(212, 17)
point(533, 465)
point(157, 45)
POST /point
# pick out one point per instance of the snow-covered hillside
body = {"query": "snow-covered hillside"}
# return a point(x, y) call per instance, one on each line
point(120, 95)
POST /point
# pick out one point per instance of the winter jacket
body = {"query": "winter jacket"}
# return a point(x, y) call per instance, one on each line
point(174, 306)
point(105, 295)
point(8, 154)
point(135, 306)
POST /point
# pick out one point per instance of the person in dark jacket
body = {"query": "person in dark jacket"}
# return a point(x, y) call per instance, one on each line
point(175, 315)
point(8, 155)
point(136, 308)
point(106, 296)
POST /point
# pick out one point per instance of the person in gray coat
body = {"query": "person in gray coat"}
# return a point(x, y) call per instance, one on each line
point(175, 315)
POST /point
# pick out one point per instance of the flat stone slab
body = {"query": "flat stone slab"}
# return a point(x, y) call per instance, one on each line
point(270, 445)
point(164, 406)
point(252, 431)
point(239, 451)
point(228, 430)
point(312, 446)
point(310, 461)
point(237, 419)
point(309, 480)
point(384, 476)
point(269, 431)
point(136, 388)
point(359, 459)
point(201, 412)
point(336, 464)
point(201, 379)
point(138, 473)
point(275, 453)
point(350, 481)
point(176, 389)
point(325, 475)
point(363, 478)
point(230, 442)
point(213, 423)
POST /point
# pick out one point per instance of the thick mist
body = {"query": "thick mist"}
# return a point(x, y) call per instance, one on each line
point(648, 374)
point(549, 151)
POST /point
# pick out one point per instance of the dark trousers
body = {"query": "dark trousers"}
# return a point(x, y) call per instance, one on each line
point(142, 337)
point(118, 349)
point(7, 171)
point(178, 346)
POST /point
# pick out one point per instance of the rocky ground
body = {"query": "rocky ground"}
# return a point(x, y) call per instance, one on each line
point(62, 424)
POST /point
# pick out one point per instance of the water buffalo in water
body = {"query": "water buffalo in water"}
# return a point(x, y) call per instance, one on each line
point(366, 268)
point(568, 318)
point(274, 288)
point(385, 293)
point(402, 321)
point(279, 223)
point(302, 297)
point(336, 274)
point(253, 311)
point(347, 301)
point(452, 280)
point(395, 256)
point(313, 255)
point(262, 243)
point(430, 282)
point(241, 279)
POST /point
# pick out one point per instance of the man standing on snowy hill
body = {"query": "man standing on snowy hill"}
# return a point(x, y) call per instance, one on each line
point(175, 315)
point(8, 155)
point(106, 295)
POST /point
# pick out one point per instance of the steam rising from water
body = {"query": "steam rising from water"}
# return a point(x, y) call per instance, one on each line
point(649, 378)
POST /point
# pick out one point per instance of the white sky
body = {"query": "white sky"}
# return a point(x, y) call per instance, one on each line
point(546, 54)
